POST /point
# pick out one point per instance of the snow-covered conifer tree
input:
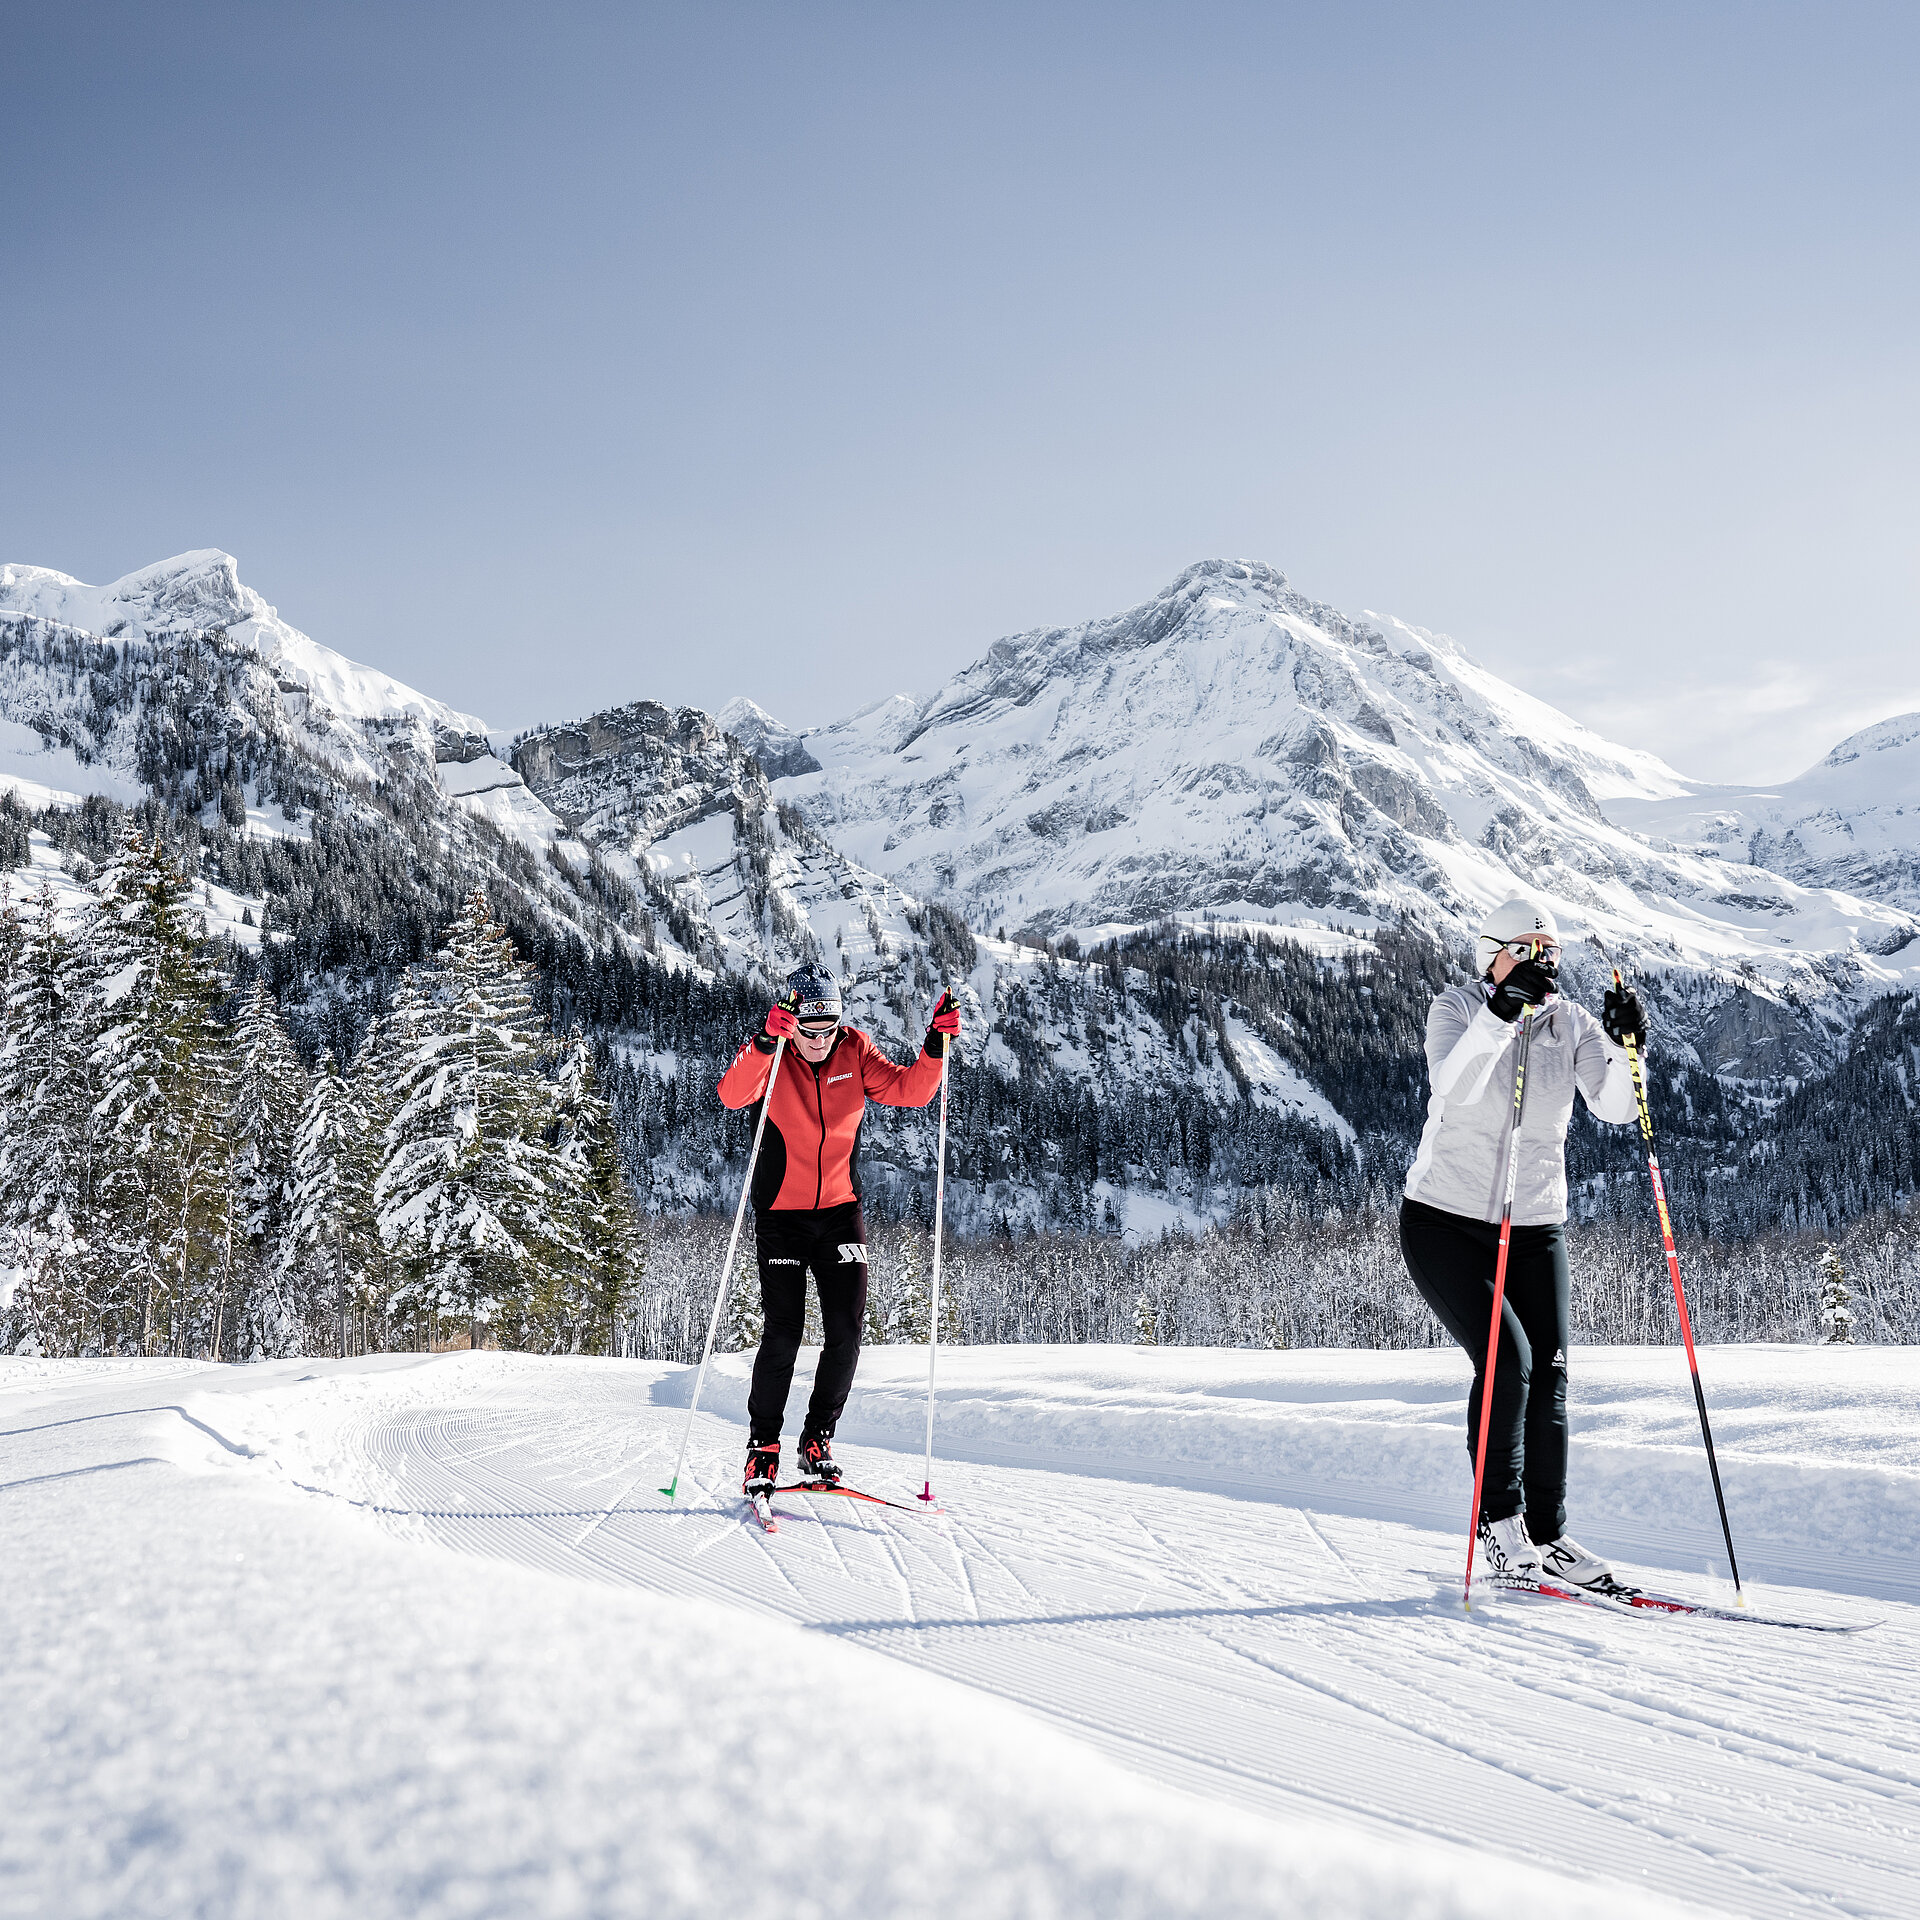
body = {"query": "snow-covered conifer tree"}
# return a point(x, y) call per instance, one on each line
point(269, 1090)
point(47, 1150)
point(329, 1234)
point(599, 1255)
point(1146, 1320)
point(910, 1317)
point(165, 1189)
point(1836, 1299)
point(744, 1320)
point(468, 1190)
point(372, 1082)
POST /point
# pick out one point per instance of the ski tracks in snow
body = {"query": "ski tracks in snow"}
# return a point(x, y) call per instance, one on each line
point(1267, 1656)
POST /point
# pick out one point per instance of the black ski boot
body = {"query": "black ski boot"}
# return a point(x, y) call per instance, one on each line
point(763, 1468)
point(818, 1467)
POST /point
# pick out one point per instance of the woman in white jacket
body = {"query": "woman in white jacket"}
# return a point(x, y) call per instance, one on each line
point(1449, 1220)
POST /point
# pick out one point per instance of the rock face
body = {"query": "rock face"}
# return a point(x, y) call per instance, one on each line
point(1233, 748)
point(681, 811)
point(1748, 1038)
point(638, 772)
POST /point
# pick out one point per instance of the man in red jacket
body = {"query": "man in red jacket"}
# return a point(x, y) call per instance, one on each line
point(806, 1202)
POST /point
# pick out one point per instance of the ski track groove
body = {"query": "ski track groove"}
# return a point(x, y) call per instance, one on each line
point(1721, 1763)
point(1333, 1553)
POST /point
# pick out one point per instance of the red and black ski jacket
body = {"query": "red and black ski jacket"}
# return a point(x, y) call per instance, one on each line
point(810, 1154)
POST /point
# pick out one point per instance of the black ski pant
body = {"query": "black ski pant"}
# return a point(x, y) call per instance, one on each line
point(1451, 1259)
point(831, 1242)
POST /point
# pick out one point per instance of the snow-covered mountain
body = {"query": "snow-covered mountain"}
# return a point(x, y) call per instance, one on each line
point(1852, 821)
point(1234, 749)
point(360, 719)
point(1229, 753)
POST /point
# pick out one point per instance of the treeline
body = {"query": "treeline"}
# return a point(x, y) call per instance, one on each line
point(1275, 1276)
point(173, 1179)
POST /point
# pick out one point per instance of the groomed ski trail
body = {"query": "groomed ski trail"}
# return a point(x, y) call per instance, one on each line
point(1260, 1654)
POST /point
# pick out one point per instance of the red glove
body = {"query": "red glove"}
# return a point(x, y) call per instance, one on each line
point(780, 1022)
point(945, 1028)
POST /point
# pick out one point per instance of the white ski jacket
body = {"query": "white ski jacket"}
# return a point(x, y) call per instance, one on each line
point(1461, 1166)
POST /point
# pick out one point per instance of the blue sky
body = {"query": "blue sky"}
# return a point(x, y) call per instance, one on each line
point(555, 356)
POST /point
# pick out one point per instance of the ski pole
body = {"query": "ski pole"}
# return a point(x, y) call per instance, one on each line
point(1673, 1273)
point(1499, 1297)
point(726, 1270)
point(939, 1212)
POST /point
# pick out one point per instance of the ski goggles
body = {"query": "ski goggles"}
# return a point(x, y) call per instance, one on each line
point(1547, 950)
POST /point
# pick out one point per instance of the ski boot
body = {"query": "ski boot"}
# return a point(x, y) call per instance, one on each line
point(818, 1467)
point(1571, 1565)
point(763, 1468)
point(1508, 1551)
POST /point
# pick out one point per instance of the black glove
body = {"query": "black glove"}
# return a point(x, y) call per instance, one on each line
point(1624, 1017)
point(1528, 985)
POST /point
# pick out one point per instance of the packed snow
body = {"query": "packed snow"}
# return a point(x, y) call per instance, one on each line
point(419, 1636)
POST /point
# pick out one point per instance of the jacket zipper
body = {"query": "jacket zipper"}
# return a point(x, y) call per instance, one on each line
point(820, 1158)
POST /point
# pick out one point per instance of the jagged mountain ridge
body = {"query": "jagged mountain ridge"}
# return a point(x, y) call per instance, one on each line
point(651, 870)
point(1231, 747)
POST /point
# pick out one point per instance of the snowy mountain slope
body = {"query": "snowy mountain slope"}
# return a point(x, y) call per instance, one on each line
point(681, 813)
point(1236, 748)
point(355, 716)
point(1851, 822)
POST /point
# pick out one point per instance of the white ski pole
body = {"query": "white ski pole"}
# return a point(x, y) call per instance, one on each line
point(939, 1214)
point(726, 1270)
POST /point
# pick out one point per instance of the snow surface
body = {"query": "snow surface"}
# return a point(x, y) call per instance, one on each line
point(1185, 1640)
point(489, 789)
point(46, 776)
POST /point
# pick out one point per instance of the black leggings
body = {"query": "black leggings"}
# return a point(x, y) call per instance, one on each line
point(832, 1241)
point(1451, 1259)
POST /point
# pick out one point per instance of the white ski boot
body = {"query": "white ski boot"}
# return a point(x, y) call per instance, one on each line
point(1569, 1564)
point(1507, 1551)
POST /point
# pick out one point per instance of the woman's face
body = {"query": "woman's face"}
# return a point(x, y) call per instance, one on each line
point(1506, 960)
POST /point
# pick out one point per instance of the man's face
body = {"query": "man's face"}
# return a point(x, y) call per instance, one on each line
point(814, 1046)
